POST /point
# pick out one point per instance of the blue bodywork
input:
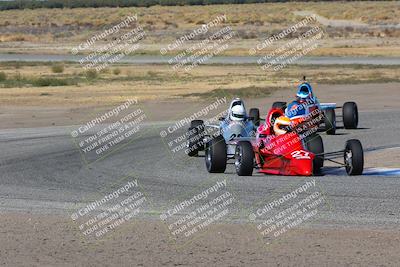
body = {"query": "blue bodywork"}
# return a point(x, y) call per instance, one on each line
point(233, 129)
point(314, 99)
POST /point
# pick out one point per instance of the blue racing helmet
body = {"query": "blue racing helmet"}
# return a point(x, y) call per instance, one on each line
point(304, 91)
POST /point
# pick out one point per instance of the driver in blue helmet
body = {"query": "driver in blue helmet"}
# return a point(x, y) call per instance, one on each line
point(304, 104)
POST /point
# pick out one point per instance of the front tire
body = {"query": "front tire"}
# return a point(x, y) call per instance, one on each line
point(244, 159)
point(330, 121)
point(350, 115)
point(354, 157)
point(216, 155)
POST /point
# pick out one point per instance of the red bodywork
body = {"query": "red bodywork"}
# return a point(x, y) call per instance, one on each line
point(281, 155)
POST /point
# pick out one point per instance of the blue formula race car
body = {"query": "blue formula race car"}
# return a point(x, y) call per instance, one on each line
point(306, 102)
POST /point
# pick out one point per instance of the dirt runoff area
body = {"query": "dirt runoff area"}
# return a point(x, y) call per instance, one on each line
point(55, 241)
point(369, 97)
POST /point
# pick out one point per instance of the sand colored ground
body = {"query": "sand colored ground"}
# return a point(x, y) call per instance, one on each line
point(42, 240)
point(22, 114)
point(160, 82)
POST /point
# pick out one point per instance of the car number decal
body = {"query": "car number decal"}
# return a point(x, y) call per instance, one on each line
point(301, 154)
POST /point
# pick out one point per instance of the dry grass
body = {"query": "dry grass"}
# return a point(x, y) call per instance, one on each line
point(278, 14)
point(62, 28)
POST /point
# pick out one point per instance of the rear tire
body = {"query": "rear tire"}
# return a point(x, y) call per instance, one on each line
point(354, 157)
point(280, 105)
point(315, 145)
point(199, 124)
point(196, 123)
point(216, 155)
point(330, 121)
point(350, 115)
point(255, 114)
point(244, 159)
point(193, 147)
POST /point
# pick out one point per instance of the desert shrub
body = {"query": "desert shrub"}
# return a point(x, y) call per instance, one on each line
point(3, 76)
point(41, 82)
point(57, 68)
point(91, 74)
point(33, 4)
point(117, 71)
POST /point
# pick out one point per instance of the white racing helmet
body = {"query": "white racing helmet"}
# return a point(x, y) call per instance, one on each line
point(238, 113)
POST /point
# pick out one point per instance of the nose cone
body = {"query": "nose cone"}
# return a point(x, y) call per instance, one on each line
point(303, 167)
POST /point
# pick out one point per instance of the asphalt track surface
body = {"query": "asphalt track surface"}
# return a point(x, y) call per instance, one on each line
point(43, 171)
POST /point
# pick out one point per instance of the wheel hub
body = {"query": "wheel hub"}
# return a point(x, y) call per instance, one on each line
point(238, 157)
point(348, 159)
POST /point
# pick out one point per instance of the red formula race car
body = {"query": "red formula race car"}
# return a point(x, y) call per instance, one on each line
point(280, 150)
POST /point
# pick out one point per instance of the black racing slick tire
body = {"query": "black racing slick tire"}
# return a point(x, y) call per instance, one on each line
point(254, 113)
point(199, 124)
point(280, 105)
point(315, 145)
point(244, 158)
point(193, 142)
point(216, 155)
point(330, 121)
point(354, 157)
point(350, 115)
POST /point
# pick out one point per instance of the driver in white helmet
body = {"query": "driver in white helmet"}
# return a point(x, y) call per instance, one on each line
point(237, 123)
point(238, 113)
